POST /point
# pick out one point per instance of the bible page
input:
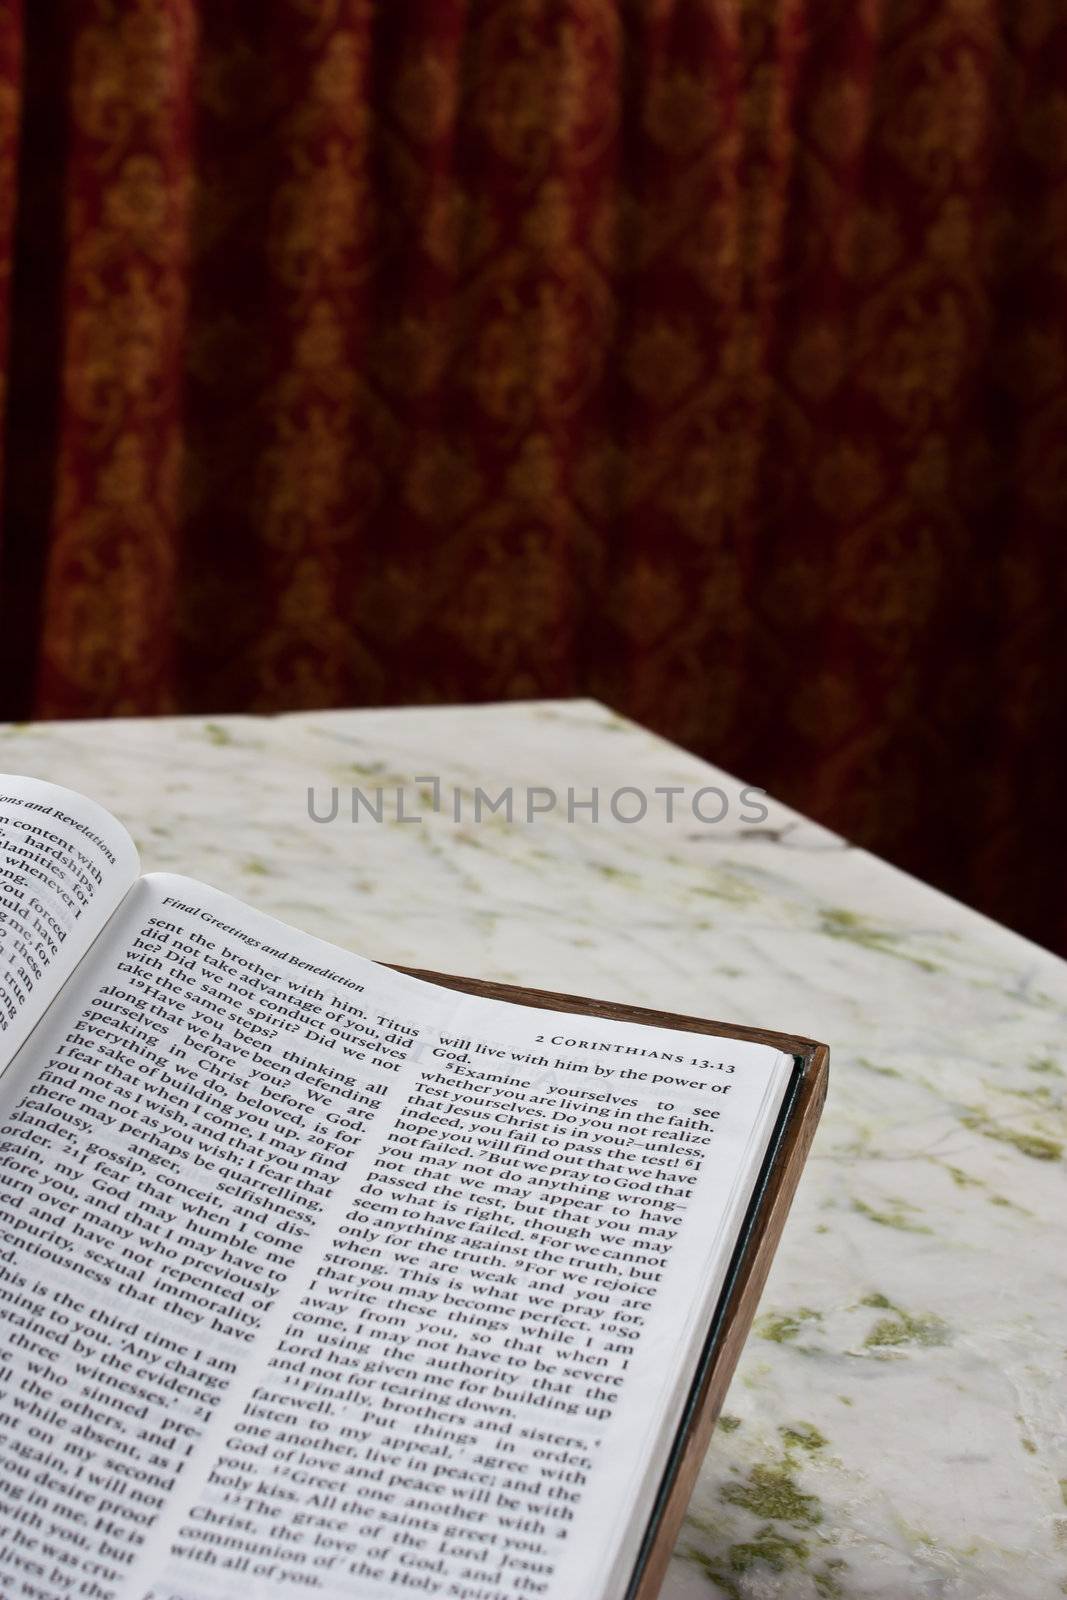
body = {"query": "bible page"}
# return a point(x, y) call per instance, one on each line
point(170, 1141)
point(327, 1281)
point(65, 863)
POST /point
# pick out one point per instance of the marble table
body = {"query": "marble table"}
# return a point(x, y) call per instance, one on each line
point(897, 1423)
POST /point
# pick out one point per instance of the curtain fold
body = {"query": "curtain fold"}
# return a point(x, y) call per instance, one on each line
point(703, 356)
point(10, 119)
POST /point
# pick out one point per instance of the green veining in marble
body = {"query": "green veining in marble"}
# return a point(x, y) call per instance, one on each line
point(882, 1072)
point(903, 1327)
point(771, 1490)
point(803, 1436)
point(840, 924)
point(1045, 1064)
point(789, 1534)
point(728, 886)
point(620, 875)
point(785, 1326)
point(1035, 1145)
point(895, 1216)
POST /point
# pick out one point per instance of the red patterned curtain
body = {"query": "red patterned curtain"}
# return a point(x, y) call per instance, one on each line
point(705, 356)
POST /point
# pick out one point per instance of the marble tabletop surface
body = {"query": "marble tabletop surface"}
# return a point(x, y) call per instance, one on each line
point(898, 1422)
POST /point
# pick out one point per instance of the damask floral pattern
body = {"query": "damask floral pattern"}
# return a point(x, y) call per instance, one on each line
point(10, 98)
point(706, 357)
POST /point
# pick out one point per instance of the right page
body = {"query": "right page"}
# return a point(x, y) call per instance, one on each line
point(471, 1385)
point(327, 1281)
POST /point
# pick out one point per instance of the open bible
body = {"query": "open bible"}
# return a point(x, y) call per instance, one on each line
point(320, 1279)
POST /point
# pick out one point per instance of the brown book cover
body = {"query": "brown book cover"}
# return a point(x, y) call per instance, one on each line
point(772, 1195)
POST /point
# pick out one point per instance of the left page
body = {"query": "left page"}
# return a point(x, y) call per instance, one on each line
point(171, 1138)
point(65, 864)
